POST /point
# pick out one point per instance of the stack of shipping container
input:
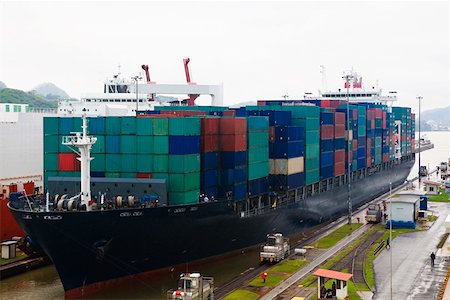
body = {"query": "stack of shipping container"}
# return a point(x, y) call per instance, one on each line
point(234, 153)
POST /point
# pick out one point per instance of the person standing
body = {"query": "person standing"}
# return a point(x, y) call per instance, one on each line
point(433, 257)
point(388, 243)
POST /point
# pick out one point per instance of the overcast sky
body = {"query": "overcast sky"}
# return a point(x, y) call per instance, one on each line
point(258, 50)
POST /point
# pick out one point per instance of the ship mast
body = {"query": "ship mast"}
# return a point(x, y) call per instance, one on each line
point(84, 144)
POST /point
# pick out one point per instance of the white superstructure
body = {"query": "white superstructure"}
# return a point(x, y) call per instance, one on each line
point(21, 142)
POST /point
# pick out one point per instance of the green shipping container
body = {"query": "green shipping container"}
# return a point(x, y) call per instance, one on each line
point(184, 163)
point(144, 163)
point(184, 126)
point(311, 163)
point(258, 170)
point(68, 174)
point(144, 126)
point(160, 144)
point(164, 176)
point(63, 148)
point(51, 143)
point(112, 125)
point(160, 163)
point(51, 125)
point(128, 125)
point(112, 175)
point(128, 144)
point(312, 150)
point(312, 137)
point(99, 146)
point(258, 139)
point(160, 126)
point(128, 163)
point(255, 124)
point(258, 154)
point(312, 177)
point(303, 111)
point(183, 198)
point(51, 162)
point(98, 163)
point(112, 162)
point(184, 182)
point(127, 175)
point(144, 144)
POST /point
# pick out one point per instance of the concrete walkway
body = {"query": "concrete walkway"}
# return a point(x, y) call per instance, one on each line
point(413, 277)
point(314, 264)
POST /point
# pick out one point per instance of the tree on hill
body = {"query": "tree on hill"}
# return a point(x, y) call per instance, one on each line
point(8, 95)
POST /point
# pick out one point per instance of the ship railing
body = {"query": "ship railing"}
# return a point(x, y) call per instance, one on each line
point(42, 110)
point(261, 210)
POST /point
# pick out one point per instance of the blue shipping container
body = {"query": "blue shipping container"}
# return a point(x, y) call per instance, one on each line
point(361, 152)
point(211, 191)
point(326, 159)
point(209, 161)
point(209, 178)
point(326, 118)
point(361, 163)
point(339, 143)
point(96, 125)
point(180, 144)
point(97, 174)
point(326, 172)
point(233, 176)
point(286, 182)
point(229, 159)
point(238, 192)
point(287, 150)
point(284, 134)
point(112, 144)
point(327, 145)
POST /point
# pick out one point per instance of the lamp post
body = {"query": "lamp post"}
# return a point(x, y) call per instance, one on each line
point(136, 79)
point(390, 231)
point(420, 100)
point(347, 78)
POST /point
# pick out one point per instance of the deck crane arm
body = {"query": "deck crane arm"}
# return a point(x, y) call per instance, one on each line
point(192, 97)
point(147, 75)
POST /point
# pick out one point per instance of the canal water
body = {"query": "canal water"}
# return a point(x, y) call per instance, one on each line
point(44, 283)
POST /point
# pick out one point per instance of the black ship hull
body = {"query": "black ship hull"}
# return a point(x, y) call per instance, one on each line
point(93, 249)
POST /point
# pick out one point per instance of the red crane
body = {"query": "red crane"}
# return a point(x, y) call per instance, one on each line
point(192, 97)
point(147, 75)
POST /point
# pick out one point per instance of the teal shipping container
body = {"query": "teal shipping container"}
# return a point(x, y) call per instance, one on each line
point(144, 126)
point(184, 126)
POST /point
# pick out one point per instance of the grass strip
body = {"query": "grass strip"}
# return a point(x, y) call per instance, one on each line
point(441, 197)
point(337, 235)
point(242, 295)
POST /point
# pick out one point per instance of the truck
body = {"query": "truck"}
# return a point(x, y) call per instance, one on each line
point(193, 286)
point(275, 249)
point(374, 213)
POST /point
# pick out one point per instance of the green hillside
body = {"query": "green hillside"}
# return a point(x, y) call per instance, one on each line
point(8, 95)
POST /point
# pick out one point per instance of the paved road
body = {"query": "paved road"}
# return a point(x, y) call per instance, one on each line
point(410, 257)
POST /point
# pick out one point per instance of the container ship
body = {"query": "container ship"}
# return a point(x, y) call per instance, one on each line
point(133, 194)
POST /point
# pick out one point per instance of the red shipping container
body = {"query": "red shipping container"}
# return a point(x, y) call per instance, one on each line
point(339, 131)
point(272, 134)
point(233, 125)
point(233, 142)
point(339, 156)
point(144, 175)
point(28, 188)
point(369, 146)
point(229, 113)
point(369, 162)
point(325, 103)
point(355, 144)
point(386, 157)
point(326, 132)
point(209, 126)
point(354, 114)
point(339, 118)
point(339, 169)
point(261, 103)
point(68, 162)
point(13, 188)
point(378, 113)
point(372, 123)
point(209, 143)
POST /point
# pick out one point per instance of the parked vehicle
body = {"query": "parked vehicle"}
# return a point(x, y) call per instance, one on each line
point(193, 286)
point(275, 249)
point(374, 213)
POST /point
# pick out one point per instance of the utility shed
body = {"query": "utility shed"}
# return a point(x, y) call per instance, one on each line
point(405, 209)
point(431, 187)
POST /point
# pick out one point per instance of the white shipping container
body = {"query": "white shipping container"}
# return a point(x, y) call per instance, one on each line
point(272, 166)
point(289, 166)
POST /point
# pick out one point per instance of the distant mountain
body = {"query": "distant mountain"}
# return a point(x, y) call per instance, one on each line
point(8, 95)
point(2, 85)
point(434, 119)
point(50, 91)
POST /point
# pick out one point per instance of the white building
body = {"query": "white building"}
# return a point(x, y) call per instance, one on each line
point(431, 187)
point(405, 209)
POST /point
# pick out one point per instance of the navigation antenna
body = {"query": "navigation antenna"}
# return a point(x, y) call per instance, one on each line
point(84, 144)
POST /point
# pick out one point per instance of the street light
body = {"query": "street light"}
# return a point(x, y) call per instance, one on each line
point(420, 100)
point(390, 231)
point(347, 78)
point(136, 79)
